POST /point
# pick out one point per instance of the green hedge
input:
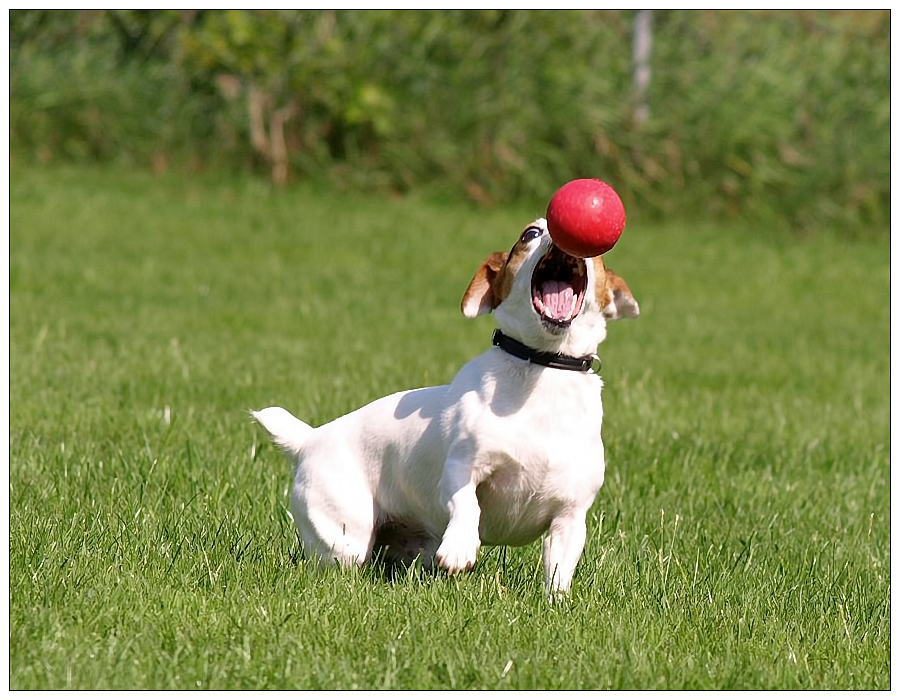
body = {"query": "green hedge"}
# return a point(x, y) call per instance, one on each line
point(775, 117)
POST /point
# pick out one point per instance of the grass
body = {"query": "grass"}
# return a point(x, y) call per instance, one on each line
point(742, 539)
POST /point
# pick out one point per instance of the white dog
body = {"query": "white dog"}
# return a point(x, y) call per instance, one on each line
point(509, 450)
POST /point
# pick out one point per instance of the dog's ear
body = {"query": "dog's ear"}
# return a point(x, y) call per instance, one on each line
point(481, 295)
point(621, 303)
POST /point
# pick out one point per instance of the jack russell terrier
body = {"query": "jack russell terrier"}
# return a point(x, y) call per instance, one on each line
point(508, 451)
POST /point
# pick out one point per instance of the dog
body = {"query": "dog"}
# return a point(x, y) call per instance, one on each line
point(508, 451)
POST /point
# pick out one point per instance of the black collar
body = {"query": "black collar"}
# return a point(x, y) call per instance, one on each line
point(555, 360)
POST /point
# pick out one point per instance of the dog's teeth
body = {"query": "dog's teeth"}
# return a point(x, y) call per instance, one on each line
point(571, 313)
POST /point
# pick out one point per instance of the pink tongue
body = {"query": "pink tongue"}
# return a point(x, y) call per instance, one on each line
point(558, 298)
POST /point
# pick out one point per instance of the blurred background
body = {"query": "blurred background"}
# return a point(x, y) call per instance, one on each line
point(780, 118)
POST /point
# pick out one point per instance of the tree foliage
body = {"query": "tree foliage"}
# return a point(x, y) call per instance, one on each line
point(775, 116)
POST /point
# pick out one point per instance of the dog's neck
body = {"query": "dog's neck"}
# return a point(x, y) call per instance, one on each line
point(554, 360)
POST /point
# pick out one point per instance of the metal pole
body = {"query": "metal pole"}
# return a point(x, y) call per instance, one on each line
point(643, 43)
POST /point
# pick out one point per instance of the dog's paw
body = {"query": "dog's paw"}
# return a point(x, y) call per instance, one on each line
point(456, 556)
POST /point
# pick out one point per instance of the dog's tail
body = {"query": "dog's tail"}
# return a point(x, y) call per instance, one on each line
point(286, 431)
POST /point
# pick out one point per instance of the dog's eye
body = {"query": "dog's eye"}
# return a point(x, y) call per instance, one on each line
point(530, 233)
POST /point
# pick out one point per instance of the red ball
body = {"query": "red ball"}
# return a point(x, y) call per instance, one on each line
point(585, 218)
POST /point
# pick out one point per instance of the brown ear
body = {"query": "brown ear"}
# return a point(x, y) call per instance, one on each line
point(481, 296)
point(622, 303)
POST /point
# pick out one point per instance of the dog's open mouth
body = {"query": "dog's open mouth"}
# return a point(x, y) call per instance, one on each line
point(557, 288)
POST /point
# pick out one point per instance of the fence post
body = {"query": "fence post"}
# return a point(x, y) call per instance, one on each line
point(641, 47)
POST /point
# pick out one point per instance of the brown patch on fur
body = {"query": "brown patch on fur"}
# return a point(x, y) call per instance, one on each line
point(483, 293)
point(514, 262)
point(493, 281)
point(626, 306)
point(602, 292)
point(609, 288)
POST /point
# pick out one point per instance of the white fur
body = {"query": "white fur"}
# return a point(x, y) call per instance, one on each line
point(505, 453)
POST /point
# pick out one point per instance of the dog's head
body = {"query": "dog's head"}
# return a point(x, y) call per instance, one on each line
point(546, 298)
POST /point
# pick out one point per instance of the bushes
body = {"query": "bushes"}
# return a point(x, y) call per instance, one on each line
point(86, 87)
point(771, 116)
point(783, 115)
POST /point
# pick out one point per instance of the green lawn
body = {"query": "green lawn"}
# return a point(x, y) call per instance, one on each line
point(742, 538)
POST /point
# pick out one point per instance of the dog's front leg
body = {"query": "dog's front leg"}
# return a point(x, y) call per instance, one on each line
point(460, 543)
point(563, 545)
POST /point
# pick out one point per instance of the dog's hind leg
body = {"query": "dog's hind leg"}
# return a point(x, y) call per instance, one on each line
point(332, 533)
